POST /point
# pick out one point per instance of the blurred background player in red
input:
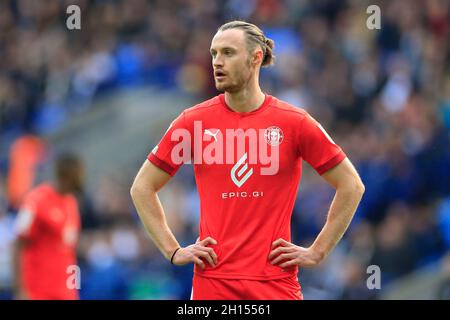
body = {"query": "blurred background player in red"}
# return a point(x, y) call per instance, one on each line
point(47, 227)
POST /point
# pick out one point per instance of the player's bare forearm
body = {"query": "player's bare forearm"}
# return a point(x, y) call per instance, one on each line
point(144, 194)
point(19, 291)
point(340, 215)
point(17, 247)
point(152, 216)
point(147, 183)
point(349, 191)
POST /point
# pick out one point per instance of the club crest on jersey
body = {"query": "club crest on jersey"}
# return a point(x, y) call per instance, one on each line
point(274, 136)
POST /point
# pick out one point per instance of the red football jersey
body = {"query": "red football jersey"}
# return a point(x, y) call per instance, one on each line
point(247, 169)
point(50, 224)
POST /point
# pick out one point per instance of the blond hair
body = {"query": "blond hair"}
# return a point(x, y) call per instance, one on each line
point(254, 37)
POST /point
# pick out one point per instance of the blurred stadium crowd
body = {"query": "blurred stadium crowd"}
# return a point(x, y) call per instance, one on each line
point(384, 95)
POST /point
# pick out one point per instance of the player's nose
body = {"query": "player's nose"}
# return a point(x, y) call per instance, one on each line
point(217, 63)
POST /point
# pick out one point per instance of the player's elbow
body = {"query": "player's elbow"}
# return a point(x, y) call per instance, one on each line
point(358, 186)
point(132, 191)
point(140, 188)
point(352, 185)
point(136, 189)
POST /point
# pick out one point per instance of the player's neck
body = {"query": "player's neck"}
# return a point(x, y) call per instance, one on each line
point(62, 188)
point(245, 100)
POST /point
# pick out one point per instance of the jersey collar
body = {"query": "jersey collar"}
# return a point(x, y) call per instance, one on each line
point(262, 107)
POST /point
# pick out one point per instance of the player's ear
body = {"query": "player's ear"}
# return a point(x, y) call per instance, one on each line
point(258, 57)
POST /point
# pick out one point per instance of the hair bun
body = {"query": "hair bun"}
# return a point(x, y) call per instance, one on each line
point(269, 43)
point(268, 54)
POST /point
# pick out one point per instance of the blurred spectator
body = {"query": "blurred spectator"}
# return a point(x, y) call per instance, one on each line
point(27, 153)
point(355, 287)
point(395, 252)
point(444, 288)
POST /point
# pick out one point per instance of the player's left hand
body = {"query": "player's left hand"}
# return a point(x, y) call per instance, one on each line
point(286, 254)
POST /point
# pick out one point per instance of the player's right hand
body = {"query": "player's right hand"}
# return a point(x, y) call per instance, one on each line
point(197, 253)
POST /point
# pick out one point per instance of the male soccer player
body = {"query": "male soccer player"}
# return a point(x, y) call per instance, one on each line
point(47, 227)
point(247, 165)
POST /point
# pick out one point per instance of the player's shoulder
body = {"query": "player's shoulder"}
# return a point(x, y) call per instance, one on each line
point(37, 195)
point(287, 109)
point(42, 189)
point(202, 106)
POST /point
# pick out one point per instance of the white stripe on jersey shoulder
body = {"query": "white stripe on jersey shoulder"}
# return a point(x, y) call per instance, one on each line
point(24, 220)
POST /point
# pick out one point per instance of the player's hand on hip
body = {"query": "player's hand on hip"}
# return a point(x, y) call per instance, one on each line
point(198, 253)
point(285, 255)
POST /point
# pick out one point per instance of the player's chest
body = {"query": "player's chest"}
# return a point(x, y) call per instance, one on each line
point(61, 222)
point(226, 140)
point(236, 145)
